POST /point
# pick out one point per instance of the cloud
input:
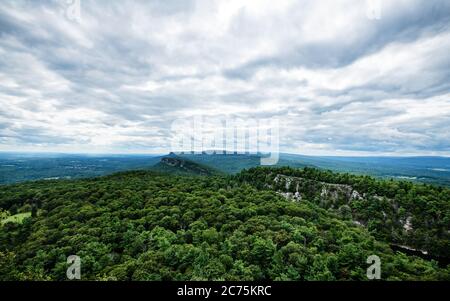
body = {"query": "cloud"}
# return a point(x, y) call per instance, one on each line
point(114, 81)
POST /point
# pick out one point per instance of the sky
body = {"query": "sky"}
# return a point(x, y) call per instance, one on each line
point(342, 77)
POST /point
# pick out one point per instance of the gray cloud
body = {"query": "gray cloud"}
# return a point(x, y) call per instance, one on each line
point(408, 22)
point(115, 81)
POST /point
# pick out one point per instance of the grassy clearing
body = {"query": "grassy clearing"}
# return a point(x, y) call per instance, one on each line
point(18, 218)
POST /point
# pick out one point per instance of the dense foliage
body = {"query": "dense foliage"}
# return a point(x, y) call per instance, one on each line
point(149, 226)
point(384, 207)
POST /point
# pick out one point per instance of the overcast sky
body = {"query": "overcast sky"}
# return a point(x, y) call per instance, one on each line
point(343, 77)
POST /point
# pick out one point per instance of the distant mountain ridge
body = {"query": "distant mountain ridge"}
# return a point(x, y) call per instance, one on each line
point(21, 167)
point(434, 170)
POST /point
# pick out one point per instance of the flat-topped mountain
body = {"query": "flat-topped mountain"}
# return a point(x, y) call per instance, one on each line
point(178, 165)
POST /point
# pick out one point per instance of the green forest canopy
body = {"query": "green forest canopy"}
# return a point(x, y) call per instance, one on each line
point(146, 225)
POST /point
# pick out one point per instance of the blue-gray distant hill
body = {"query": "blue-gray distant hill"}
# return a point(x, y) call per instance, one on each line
point(434, 170)
point(181, 166)
point(19, 167)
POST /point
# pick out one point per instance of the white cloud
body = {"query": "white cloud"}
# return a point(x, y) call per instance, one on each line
point(340, 82)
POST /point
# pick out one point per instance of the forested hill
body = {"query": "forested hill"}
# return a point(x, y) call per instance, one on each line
point(145, 225)
point(401, 212)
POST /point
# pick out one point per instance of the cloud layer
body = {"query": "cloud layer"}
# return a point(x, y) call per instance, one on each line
point(115, 80)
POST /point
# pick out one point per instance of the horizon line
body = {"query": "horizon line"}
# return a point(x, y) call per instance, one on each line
point(221, 152)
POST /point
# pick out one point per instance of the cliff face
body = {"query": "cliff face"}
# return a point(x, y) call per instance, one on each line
point(330, 195)
point(172, 162)
point(342, 198)
point(182, 166)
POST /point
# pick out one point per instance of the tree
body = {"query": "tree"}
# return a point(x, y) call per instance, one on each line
point(262, 251)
